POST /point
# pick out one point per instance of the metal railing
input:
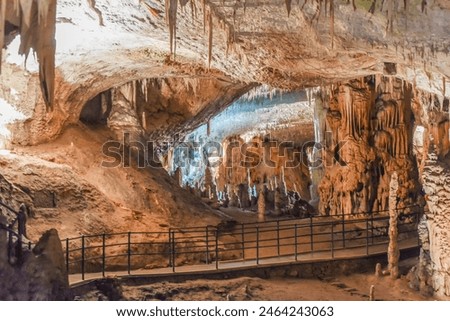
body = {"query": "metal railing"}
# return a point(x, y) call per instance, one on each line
point(14, 237)
point(212, 246)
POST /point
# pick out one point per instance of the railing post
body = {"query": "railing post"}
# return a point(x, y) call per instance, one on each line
point(371, 215)
point(10, 245)
point(103, 254)
point(170, 248)
point(278, 238)
point(129, 253)
point(173, 251)
point(243, 241)
point(296, 243)
point(343, 230)
point(67, 255)
point(311, 231)
point(19, 249)
point(367, 236)
point(207, 245)
point(332, 240)
point(257, 245)
point(217, 249)
point(82, 257)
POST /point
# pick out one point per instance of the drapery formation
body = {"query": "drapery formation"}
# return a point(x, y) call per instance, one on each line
point(36, 22)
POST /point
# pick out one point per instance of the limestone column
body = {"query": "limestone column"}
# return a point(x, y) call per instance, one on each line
point(261, 203)
point(393, 250)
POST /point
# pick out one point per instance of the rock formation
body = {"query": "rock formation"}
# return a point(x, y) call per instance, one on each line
point(365, 94)
point(41, 275)
point(393, 250)
point(369, 122)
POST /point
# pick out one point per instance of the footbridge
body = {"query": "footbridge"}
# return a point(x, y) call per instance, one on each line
point(235, 246)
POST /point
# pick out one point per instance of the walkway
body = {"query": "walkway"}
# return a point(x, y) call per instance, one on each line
point(221, 267)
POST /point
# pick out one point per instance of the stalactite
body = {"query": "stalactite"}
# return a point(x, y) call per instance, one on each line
point(424, 6)
point(2, 27)
point(37, 32)
point(144, 89)
point(288, 6)
point(93, 6)
point(204, 15)
point(144, 121)
point(332, 22)
point(171, 20)
point(193, 10)
point(46, 49)
point(210, 38)
point(443, 86)
point(390, 16)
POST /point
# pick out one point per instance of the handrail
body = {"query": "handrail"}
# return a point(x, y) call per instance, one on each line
point(245, 241)
point(11, 234)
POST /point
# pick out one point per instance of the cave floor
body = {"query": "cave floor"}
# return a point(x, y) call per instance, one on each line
point(353, 287)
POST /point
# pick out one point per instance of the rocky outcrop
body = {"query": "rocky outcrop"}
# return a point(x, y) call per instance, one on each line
point(42, 274)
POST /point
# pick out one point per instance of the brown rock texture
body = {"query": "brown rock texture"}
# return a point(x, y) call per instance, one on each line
point(41, 276)
point(368, 136)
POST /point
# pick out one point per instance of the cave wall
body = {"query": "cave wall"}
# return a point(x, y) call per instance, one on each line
point(433, 272)
point(369, 132)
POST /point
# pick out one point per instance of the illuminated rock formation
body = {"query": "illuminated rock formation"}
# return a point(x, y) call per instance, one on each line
point(369, 122)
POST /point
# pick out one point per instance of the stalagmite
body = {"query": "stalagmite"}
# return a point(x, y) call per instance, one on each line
point(277, 201)
point(378, 270)
point(372, 293)
point(178, 176)
point(261, 203)
point(234, 200)
point(393, 250)
point(209, 185)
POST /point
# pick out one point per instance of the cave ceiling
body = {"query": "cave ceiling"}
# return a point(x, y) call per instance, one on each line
point(290, 45)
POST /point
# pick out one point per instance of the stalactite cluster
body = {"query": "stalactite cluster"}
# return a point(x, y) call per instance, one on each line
point(36, 20)
point(371, 137)
point(251, 181)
